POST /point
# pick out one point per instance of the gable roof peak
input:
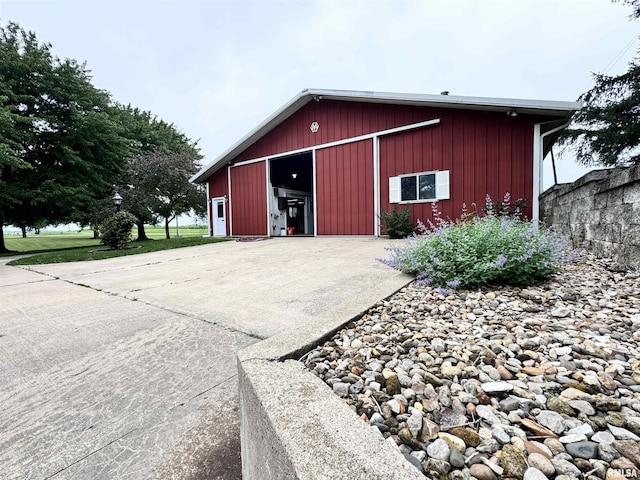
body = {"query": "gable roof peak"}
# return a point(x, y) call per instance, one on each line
point(559, 109)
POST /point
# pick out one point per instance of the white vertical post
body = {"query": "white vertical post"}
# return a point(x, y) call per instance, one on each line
point(376, 186)
point(230, 209)
point(315, 193)
point(537, 172)
point(209, 219)
point(268, 199)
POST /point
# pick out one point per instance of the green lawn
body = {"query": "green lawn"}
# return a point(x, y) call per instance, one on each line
point(99, 252)
point(50, 241)
point(73, 246)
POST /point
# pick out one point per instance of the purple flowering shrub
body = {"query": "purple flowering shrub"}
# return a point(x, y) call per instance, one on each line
point(480, 250)
point(506, 207)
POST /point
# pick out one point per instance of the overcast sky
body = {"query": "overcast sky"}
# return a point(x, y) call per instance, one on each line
point(218, 68)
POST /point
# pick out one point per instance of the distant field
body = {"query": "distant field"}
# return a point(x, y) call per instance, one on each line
point(158, 232)
point(50, 241)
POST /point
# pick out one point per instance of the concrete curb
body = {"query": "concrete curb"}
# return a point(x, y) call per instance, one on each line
point(292, 426)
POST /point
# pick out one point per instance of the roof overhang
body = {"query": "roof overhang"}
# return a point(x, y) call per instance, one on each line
point(561, 110)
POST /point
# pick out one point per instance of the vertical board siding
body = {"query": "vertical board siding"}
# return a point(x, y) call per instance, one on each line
point(456, 171)
point(504, 160)
point(218, 184)
point(485, 153)
point(469, 165)
point(481, 161)
point(527, 146)
point(338, 121)
point(249, 199)
point(344, 189)
point(218, 187)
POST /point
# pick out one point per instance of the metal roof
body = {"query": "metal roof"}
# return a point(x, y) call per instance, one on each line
point(564, 110)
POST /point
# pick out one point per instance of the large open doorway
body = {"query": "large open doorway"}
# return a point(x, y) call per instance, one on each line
point(291, 195)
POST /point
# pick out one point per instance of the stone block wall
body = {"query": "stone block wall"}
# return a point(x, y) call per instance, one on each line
point(600, 210)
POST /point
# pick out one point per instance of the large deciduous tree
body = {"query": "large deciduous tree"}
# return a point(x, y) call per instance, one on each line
point(148, 137)
point(61, 145)
point(606, 131)
point(158, 183)
point(9, 158)
point(635, 5)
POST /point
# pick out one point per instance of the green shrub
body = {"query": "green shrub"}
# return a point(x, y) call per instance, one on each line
point(115, 231)
point(398, 222)
point(483, 249)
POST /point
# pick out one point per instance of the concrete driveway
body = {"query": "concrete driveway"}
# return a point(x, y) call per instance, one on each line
point(125, 368)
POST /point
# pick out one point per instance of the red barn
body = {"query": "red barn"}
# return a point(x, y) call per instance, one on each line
point(329, 161)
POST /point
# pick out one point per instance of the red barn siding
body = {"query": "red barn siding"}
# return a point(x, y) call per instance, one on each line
point(218, 187)
point(249, 199)
point(219, 184)
point(338, 121)
point(485, 153)
point(482, 159)
point(345, 189)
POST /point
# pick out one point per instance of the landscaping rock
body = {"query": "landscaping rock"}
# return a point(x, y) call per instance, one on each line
point(482, 472)
point(582, 449)
point(527, 383)
point(542, 463)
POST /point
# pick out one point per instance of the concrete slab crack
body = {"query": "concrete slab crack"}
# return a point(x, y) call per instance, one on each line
point(214, 386)
point(140, 428)
point(159, 307)
point(90, 454)
point(191, 316)
point(27, 283)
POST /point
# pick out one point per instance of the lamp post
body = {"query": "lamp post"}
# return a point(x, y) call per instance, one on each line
point(117, 201)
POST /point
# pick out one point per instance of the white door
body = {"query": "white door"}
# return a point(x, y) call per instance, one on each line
point(219, 218)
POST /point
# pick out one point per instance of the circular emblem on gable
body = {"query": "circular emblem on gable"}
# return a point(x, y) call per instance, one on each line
point(314, 127)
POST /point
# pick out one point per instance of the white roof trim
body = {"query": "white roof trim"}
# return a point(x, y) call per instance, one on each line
point(524, 106)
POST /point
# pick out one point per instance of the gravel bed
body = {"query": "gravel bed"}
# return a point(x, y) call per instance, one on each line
point(504, 382)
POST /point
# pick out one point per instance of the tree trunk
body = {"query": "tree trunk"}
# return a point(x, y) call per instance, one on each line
point(24, 231)
point(96, 234)
point(3, 249)
point(142, 235)
point(166, 228)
